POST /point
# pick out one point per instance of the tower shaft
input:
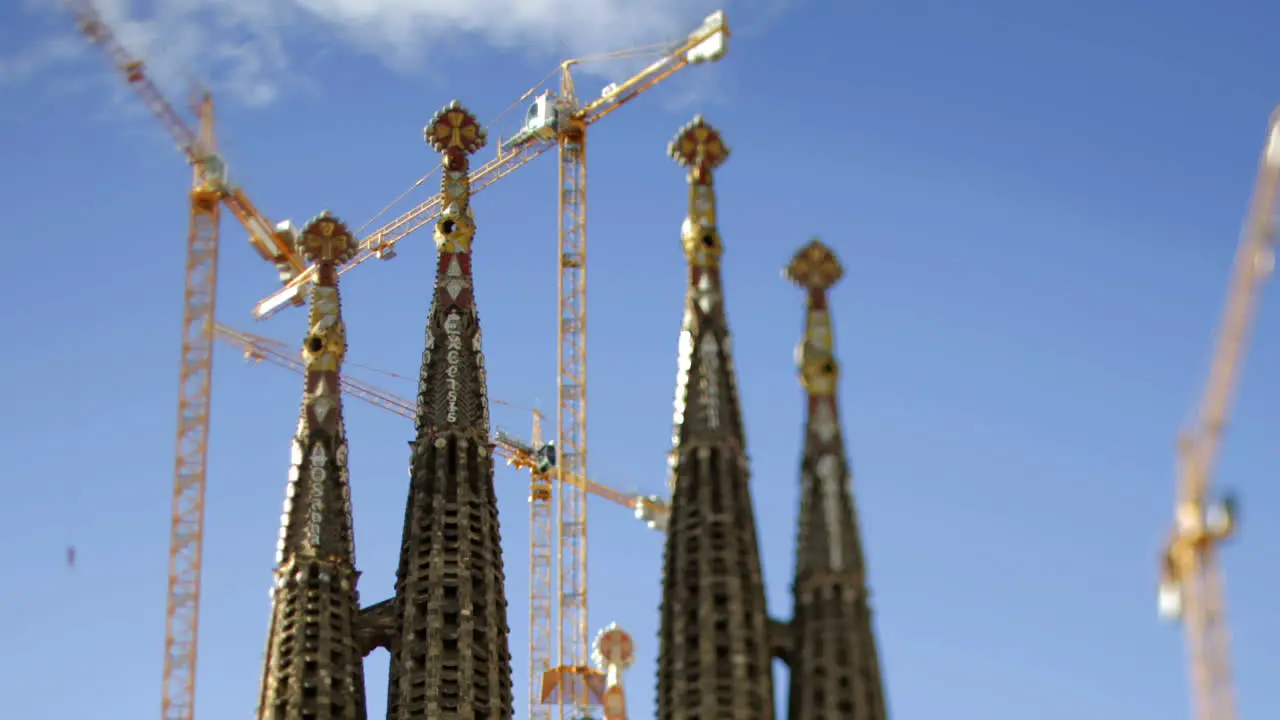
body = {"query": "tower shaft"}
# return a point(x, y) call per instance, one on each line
point(714, 654)
point(835, 666)
point(195, 390)
point(314, 668)
point(449, 654)
point(571, 435)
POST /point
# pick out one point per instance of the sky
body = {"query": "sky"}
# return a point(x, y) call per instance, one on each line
point(1036, 205)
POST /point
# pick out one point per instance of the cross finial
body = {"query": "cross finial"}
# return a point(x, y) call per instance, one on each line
point(698, 146)
point(455, 128)
point(814, 267)
point(326, 239)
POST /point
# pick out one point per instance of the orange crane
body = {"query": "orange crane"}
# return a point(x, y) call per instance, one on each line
point(535, 456)
point(209, 193)
point(1191, 581)
point(555, 119)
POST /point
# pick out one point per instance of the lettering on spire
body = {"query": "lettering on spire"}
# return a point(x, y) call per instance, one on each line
point(453, 344)
point(315, 519)
point(326, 243)
point(709, 383)
point(830, 478)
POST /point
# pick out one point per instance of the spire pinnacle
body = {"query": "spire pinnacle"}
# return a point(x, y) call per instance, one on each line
point(321, 444)
point(326, 240)
point(699, 147)
point(714, 645)
point(706, 391)
point(816, 269)
point(835, 667)
point(459, 381)
point(315, 555)
point(450, 654)
point(456, 134)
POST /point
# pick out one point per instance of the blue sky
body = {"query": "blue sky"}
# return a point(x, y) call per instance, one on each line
point(1036, 203)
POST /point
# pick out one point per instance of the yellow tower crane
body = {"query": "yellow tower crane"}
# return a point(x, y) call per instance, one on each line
point(1191, 581)
point(558, 615)
point(209, 193)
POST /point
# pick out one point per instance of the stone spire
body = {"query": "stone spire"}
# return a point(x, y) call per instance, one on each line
point(714, 650)
point(835, 666)
point(314, 669)
point(449, 650)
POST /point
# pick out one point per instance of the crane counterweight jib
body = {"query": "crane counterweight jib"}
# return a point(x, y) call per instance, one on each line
point(712, 39)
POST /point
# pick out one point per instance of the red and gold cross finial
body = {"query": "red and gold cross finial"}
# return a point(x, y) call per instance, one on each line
point(326, 239)
point(455, 128)
point(699, 147)
point(814, 267)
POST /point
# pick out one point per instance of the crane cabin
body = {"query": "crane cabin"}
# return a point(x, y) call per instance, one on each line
point(542, 122)
point(546, 115)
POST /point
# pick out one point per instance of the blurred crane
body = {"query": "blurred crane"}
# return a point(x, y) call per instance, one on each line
point(555, 119)
point(209, 193)
point(1191, 580)
point(536, 456)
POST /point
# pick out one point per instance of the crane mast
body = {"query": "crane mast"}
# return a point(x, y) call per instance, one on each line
point(571, 435)
point(1191, 587)
point(210, 192)
point(195, 374)
point(706, 43)
point(195, 383)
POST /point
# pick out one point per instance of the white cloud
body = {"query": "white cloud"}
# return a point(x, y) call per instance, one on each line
point(251, 48)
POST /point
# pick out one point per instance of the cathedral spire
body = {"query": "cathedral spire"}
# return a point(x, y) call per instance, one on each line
point(450, 658)
point(835, 665)
point(714, 646)
point(314, 669)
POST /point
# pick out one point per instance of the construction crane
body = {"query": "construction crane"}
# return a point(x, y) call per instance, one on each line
point(554, 119)
point(209, 193)
point(536, 456)
point(1191, 580)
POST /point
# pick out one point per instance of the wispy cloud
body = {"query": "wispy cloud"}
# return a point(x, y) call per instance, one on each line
point(243, 47)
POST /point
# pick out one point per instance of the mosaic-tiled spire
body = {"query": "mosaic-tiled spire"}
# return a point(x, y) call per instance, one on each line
point(314, 668)
point(835, 666)
point(714, 654)
point(449, 655)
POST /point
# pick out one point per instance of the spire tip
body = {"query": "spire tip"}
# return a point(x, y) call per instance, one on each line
point(455, 128)
point(814, 267)
point(326, 239)
point(698, 146)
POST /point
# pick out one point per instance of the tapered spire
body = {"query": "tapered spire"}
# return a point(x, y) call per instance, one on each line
point(314, 668)
point(449, 651)
point(835, 665)
point(714, 655)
